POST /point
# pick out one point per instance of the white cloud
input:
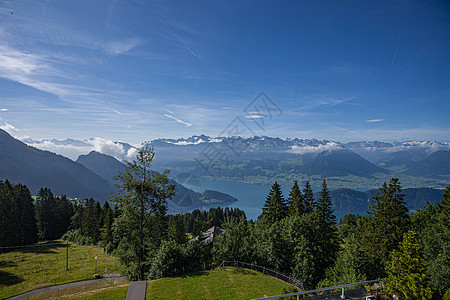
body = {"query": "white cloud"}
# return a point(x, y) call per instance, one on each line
point(9, 128)
point(122, 47)
point(374, 120)
point(3, 109)
point(74, 148)
point(314, 149)
point(131, 153)
point(107, 147)
point(178, 120)
point(254, 115)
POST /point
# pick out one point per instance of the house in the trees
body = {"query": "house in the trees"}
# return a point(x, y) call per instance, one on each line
point(208, 236)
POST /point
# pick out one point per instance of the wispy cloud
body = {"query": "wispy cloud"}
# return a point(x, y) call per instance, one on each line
point(3, 109)
point(255, 115)
point(374, 120)
point(319, 148)
point(312, 102)
point(178, 120)
point(9, 128)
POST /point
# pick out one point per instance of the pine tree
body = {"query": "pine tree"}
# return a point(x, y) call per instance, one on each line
point(45, 215)
point(406, 271)
point(28, 229)
point(106, 229)
point(63, 212)
point(296, 201)
point(388, 221)
point(328, 238)
point(325, 206)
point(308, 196)
point(275, 207)
point(9, 216)
point(176, 230)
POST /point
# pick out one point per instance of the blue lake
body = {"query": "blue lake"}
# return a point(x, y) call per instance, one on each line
point(251, 196)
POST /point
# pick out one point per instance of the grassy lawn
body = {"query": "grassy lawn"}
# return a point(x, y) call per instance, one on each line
point(32, 268)
point(225, 283)
point(114, 289)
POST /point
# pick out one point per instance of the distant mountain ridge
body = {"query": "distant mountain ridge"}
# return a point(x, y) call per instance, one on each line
point(36, 168)
point(357, 201)
point(262, 159)
point(184, 199)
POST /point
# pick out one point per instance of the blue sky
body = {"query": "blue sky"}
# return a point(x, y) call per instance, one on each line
point(140, 70)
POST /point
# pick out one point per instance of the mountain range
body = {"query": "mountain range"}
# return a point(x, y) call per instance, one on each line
point(262, 159)
point(90, 176)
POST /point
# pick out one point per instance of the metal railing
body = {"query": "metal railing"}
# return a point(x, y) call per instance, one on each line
point(342, 287)
point(264, 270)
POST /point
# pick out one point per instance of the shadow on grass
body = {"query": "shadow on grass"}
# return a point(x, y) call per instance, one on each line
point(42, 248)
point(7, 264)
point(9, 279)
point(192, 274)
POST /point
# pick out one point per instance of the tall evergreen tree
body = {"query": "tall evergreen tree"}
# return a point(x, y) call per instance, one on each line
point(406, 272)
point(9, 216)
point(45, 214)
point(388, 221)
point(328, 238)
point(275, 207)
point(106, 234)
point(89, 220)
point(176, 230)
point(63, 212)
point(308, 196)
point(28, 229)
point(433, 227)
point(325, 206)
point(296, 201)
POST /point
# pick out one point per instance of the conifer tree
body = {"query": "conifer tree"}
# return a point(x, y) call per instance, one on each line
point(63, 212)
point(388, 221)
point(325, 206)
point(9, 215)
point(328, 238)
point(176, 230)
point(45, 214)
point(26, 216)
point(296, 201)
point(106, 229)
point(308, 196)
point(275, 207)
point(406, 271)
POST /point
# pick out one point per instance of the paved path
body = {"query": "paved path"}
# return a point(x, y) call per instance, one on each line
point(137, 290)
point(61, 286)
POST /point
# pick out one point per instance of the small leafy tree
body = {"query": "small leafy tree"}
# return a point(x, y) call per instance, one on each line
point(406, 271)
point(141, 197)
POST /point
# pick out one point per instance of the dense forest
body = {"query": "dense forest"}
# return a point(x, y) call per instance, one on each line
point(297, 235)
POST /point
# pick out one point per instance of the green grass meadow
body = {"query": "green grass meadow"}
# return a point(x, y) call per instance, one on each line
point(33, 268)
point(28, 269)
point(224, 283)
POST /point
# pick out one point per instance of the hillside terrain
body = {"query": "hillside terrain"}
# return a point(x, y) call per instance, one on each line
point(184, 198)
point(36, 267)
point(91, 176)
point(36, 168)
